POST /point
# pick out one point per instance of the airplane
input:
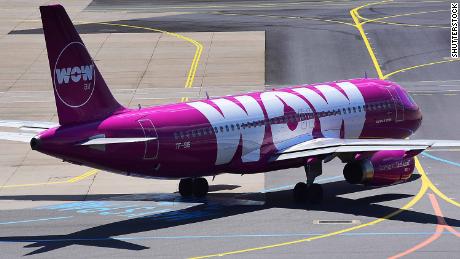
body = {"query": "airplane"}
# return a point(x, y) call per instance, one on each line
point(364, 122)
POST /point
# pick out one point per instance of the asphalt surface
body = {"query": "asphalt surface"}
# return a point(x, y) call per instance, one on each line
point(305, 42)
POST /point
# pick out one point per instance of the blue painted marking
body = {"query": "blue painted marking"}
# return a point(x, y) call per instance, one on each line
point(168, 211)
point(440, 159)
point(286, 187)
point(225, 236)
point(33, 220)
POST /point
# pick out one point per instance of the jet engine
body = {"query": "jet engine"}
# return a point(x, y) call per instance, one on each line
point(381, 168)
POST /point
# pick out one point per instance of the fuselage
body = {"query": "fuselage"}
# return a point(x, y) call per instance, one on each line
point(237, 134)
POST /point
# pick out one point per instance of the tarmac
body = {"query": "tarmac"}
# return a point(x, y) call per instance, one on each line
point(146, 51)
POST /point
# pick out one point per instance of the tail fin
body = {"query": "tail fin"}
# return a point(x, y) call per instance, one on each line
point(80, 91)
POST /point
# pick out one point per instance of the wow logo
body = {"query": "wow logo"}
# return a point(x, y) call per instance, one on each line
point(74, 75)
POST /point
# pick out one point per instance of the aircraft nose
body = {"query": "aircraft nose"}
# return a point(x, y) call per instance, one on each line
point(35, 143)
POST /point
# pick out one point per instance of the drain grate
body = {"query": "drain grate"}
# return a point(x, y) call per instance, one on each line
point(329, 221)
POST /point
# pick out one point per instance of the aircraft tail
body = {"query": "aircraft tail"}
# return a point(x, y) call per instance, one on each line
point(80, 91)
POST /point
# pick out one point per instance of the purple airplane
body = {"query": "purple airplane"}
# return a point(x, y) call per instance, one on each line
point(363, 122)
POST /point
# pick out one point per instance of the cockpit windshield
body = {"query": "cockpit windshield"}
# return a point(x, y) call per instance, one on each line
point(406, 99)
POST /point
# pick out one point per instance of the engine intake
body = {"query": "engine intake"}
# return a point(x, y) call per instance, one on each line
point(382, 168)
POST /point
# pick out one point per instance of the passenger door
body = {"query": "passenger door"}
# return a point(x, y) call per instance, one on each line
point(151, 146)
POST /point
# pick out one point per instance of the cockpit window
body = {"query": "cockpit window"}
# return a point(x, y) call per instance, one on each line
point(406, 99)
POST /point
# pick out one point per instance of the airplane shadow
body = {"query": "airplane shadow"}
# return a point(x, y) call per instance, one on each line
point(214, 207)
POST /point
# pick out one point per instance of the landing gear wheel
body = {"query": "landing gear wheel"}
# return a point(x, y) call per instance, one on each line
point(300, 191)
point(200, 187)
point(314, 193)
point(186, 187)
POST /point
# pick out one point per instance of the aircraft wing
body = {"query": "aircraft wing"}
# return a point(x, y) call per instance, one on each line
point(324, 146)
point(36, 126)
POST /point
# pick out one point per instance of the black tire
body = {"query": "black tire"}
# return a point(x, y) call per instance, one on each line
point(186, 187)
point(315, 193)
point(300, 192)
point(200, 187)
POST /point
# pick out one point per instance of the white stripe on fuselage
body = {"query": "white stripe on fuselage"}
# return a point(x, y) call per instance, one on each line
point(252, 137)
point(228, 140)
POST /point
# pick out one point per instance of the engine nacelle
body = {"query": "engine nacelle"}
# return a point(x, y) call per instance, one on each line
point(382, 168)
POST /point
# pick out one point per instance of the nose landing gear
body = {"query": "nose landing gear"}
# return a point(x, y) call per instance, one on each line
point(193, 186)
point(309, 191)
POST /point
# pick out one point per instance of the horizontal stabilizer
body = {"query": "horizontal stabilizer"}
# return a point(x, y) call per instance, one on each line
point(13, 136)
point(43, 125)
point(105, 141)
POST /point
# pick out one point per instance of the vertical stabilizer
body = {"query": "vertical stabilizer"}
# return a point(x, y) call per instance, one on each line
point(80, 91)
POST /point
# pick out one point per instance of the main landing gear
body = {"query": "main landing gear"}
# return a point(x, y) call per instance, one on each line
point(309, 191)
point(193, 186)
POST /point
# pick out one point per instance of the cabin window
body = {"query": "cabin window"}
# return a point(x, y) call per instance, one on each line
point(221, 129)
point(233, 127)
point(226, 127)
point(349, 110)
point(359, 108)
point(238, 126)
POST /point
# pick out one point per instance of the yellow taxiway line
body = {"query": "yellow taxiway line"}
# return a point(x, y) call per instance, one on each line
point(418, 66)
point(359, 26)
point(421, 192)
point(399, 15)
point(196, 57)
point(72, 180)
